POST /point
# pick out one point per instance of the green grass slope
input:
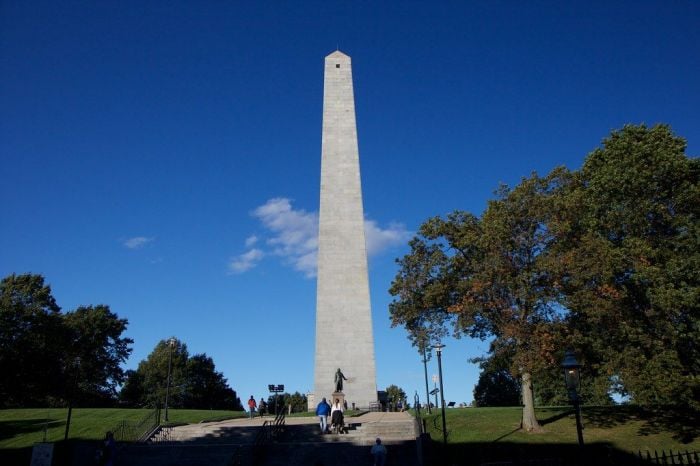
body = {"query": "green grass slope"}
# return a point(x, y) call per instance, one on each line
point(21, 428)
point(625, 428)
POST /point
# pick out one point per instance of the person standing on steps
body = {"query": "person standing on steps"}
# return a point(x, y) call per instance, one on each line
point(322, 411)
point(337, 418)
point(252, 405)
point(379, 453)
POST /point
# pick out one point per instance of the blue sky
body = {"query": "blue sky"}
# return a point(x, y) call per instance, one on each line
point(164, 157)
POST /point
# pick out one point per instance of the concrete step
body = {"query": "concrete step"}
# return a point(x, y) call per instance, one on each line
point(184, 455)
point(337, 454)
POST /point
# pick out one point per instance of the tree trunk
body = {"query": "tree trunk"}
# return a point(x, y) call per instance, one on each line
point(529, 422)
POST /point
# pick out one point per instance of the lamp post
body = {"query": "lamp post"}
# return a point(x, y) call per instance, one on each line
point(76, 366)
point(438, 350)
point(572, 378)
point(425, 370)
point(276, 389)
point(171, 344)
point(435, 390)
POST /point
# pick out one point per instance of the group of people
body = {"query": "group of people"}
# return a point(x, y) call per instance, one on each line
point(252, 406)
point(323, 409)
point(336, 412)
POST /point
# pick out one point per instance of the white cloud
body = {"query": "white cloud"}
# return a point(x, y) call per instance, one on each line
point(293, 235)
point(246, 261)
point(379, 240)
point(137, 242)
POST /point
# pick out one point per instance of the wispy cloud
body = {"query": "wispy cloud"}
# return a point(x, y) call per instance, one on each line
point(380, 239)
point(137, 242)
point(294, 233)
point(246, 261)
point(293, 236)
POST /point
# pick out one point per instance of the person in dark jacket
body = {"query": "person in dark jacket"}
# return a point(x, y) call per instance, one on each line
point(322, 411)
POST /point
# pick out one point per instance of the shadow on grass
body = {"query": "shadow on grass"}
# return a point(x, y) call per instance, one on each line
point(683, 425)
point(507, 454)
point(9, 429)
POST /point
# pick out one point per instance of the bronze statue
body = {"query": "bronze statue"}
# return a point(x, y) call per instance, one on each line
point(339, 377)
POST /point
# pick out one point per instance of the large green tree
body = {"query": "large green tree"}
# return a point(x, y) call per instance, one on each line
point(605, 260)
point(206, 388)
point(32, 340)
point(194, 381)
point(48, 357)
point(147, 385)
point(96, 352)
point(395, 394)
point(496, 385)
point(634, 267)
point(489, 277)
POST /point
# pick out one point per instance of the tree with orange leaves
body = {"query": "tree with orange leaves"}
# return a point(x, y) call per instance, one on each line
point(490, 277)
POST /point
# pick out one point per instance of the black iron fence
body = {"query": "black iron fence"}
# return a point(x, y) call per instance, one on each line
point(678, 457)
point(139, 430)
point(162, 435)
point(266, 435)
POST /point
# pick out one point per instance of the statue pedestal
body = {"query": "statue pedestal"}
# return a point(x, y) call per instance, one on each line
point(340, 396)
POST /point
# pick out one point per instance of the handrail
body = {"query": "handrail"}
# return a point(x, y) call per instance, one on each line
point(266, 435)
point(137, 431)
point(419, 416)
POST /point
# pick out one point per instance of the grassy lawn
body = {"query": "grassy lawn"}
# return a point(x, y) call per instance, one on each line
point(626, 428)
point(23, 427)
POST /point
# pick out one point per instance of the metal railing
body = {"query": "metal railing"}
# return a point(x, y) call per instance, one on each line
point(137, 431)
point(419, 416)
point(266, 435)
point(162, 436)
point(691, 458)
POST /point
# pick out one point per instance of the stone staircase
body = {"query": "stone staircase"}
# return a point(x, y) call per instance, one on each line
point(391, 431)
point(300, 444)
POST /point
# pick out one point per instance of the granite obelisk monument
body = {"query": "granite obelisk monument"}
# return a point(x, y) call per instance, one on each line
point(344, 339)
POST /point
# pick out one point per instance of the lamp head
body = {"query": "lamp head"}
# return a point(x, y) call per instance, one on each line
point(572, 371)
point(438, 348)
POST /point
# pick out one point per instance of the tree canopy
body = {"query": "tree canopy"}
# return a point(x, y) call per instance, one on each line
point(47, 356)
point(194, 381)
point(604, 259)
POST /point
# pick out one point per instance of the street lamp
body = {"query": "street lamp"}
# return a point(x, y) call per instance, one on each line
point(435, 390)
point(425, 370)
point(276, 389)
point(171, 344)
point(76, 367)
point(572, 379)
point(438, 350)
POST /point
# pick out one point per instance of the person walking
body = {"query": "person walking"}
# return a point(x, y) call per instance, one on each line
point(108, 450)
point(322, 411)
point(252, 405)
point(379, 453)
point(262, 407)
point(337, 420)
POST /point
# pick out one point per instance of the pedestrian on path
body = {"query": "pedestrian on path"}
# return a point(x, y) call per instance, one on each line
point(322, 411)
point(379, 453)
point(252, 405)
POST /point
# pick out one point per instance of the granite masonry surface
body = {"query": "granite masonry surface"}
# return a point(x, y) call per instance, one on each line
point(343, 314)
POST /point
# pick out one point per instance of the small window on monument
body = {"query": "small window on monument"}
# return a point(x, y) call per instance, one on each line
point(337, 65)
